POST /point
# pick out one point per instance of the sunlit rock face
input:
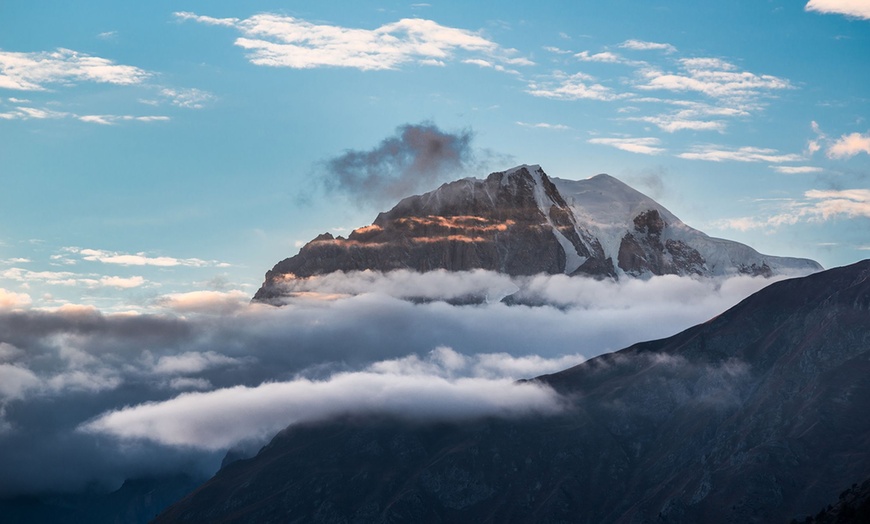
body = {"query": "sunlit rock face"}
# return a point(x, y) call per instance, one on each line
point(759, 415)
point(522, 222)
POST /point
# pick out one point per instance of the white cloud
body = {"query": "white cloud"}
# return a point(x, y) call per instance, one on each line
point(15, 381)
point(578, 86)
point(137, 259)
point(226, 417)
point(205, 301)
point(64, 278)
point(480, 63)
point(284, 41)
point(714, 153)
point(851, 203)
point(188, 98)
point(38, 114)
point(121, 282)
point(543, 125)
point(796, 170)
point(641, 145)
point(816, 206)
point(445, 362)
point(28, 113)
point(852, 8)
point(848, 146)
point(437, 285)
point(12, 300)
point(640, 45)
point(192, 362)
point(112, 119)
point(33, 71)
point(68, 278)
point(674, 122)
point(606, 57)
point(557, 50)
point(259, 368)
point(714, 78)
point(208, 20)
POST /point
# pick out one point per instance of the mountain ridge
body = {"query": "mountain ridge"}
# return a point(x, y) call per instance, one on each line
point(758, 415)
point(522, 222)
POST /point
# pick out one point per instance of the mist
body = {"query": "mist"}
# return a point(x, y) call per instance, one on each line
point(91, 398)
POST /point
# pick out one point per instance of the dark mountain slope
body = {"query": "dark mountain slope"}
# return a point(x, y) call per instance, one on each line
point(759, 415)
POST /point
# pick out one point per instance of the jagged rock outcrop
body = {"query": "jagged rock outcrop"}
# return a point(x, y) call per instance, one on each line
point(643, 238)
point(513, 222)
point(521, 222)
point(759, 415)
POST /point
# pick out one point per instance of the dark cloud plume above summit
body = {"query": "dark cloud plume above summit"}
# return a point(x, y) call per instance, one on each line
point(417, 158)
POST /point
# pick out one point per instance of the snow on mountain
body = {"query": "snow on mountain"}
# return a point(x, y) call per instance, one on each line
point(522, 222)
point(614, 211)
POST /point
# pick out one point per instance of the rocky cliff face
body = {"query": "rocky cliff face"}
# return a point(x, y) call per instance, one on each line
point(759, 415)
point(643, 238)
point(520, 222)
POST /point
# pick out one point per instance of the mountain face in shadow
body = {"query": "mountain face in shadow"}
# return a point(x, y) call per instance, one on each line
point(759, 415)
point(522, 222)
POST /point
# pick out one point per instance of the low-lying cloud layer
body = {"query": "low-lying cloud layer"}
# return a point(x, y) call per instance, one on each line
point(89, 397)
point(410, 388)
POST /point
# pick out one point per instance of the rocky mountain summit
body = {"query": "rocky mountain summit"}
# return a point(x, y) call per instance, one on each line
point(522, 222)
point(758, 415)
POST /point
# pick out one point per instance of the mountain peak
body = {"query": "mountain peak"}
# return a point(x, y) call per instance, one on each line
point(530, 168)
point(522, 222)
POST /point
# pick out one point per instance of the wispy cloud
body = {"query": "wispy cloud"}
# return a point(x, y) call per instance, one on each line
point(35, 71)
point(190, 98)
point(76, 366)
point(640, 45)
point(851, 8)
point(707, 93)
point(113, 119)
point(796, 170)
point(715, 78)
point(680, 121)
point(557, 50)
point(641, 145)
point(486, 64)
point(122, 282)
point(849, 203)
point(543, 125)
point(68, 278)
point(32, 113)
point(410, 388)
point(284, 41)
point(816, 206)
point(138, 259)
point(605, 56)
point(715, 153)
point(578, 86)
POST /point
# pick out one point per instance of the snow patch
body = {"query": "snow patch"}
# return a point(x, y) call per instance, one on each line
point(573, 260)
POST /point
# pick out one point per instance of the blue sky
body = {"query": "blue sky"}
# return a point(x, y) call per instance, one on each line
point(155, 148)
